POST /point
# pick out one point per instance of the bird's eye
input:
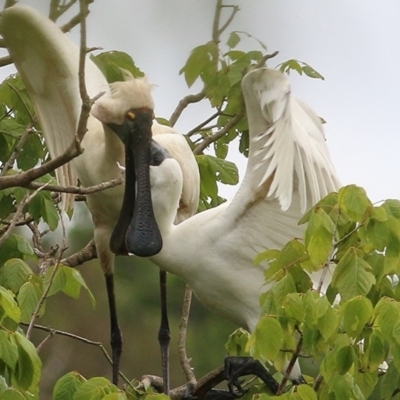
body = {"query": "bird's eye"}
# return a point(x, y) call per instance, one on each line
point(131, 115)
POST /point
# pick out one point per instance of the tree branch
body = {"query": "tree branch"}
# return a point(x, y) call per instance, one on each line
point(17, 214)
point(27, 177)
point(183, 359)
point(76, 189)
point(210, 139)
point(81, 339)
point(189, 99)
point(88, 253)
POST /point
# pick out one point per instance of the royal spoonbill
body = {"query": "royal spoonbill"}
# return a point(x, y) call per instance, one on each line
point(289, 169)
point(48, 63)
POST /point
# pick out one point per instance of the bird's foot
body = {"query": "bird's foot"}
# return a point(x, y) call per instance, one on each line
point(237, 367)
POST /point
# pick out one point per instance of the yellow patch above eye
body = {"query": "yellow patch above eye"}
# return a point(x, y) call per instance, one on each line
point(131, 115)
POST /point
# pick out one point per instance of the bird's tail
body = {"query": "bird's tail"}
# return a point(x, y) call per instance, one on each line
point(48, 64)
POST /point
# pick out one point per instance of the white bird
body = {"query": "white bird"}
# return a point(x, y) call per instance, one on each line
point(48, 63)
point(289, 169)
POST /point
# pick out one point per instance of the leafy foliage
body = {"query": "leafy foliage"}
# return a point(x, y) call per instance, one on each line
point(333, 296)
point(349, 325)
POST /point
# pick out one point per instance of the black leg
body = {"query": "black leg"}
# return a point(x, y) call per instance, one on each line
point(116, 335)
point(164, 334)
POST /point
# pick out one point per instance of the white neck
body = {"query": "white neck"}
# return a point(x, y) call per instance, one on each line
point(166, 188)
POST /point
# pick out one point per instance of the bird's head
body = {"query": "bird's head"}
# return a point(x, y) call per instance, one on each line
point(128, 111)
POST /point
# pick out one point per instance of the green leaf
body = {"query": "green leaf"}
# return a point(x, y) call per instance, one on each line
point(68, 280)
point(237, 343)
point(202, 60)
point(42, 206)
point(9, 305)
point(94, 389)
point(14, 274)
point(353, 199)
point(13, 394)
point(319, 236)
point(74, 283)
point(387, 310)
point(8, 349)
point(357, 313)
point(113, 64)
point(31, 153)
point(353, 276)
point(67, 385)
point(294, 307)
point(345, 357)
point(28, 299)
point(29, 365)
point(305, 392)
point(233, 40)
point(14, 246)
point(327, 323)
point(266, 340)
point(376, 351)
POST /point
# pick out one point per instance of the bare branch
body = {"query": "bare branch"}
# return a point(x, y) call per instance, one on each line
point(235, 9)
point(208, 140)
point(183, 359)
point(26, 177)
point(189, 99)
point(76, 189)
point(81, 339)
point(88, 253)
point(46, 291)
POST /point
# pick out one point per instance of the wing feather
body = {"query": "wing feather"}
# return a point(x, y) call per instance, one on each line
point(288, 152)
point(48, 63)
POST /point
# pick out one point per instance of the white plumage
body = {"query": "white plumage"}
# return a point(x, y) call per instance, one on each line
point(288, 170)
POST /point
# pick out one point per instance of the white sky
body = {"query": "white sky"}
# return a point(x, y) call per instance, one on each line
point(354, 44)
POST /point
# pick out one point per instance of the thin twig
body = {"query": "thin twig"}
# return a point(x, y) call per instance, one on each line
point(76, 189)
point(203, 124)
point(17, 215)
point(81, 339)
point(183, 358)
point(211, 139)
point(289, 368)
point(18, 148)
point(189, 99)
